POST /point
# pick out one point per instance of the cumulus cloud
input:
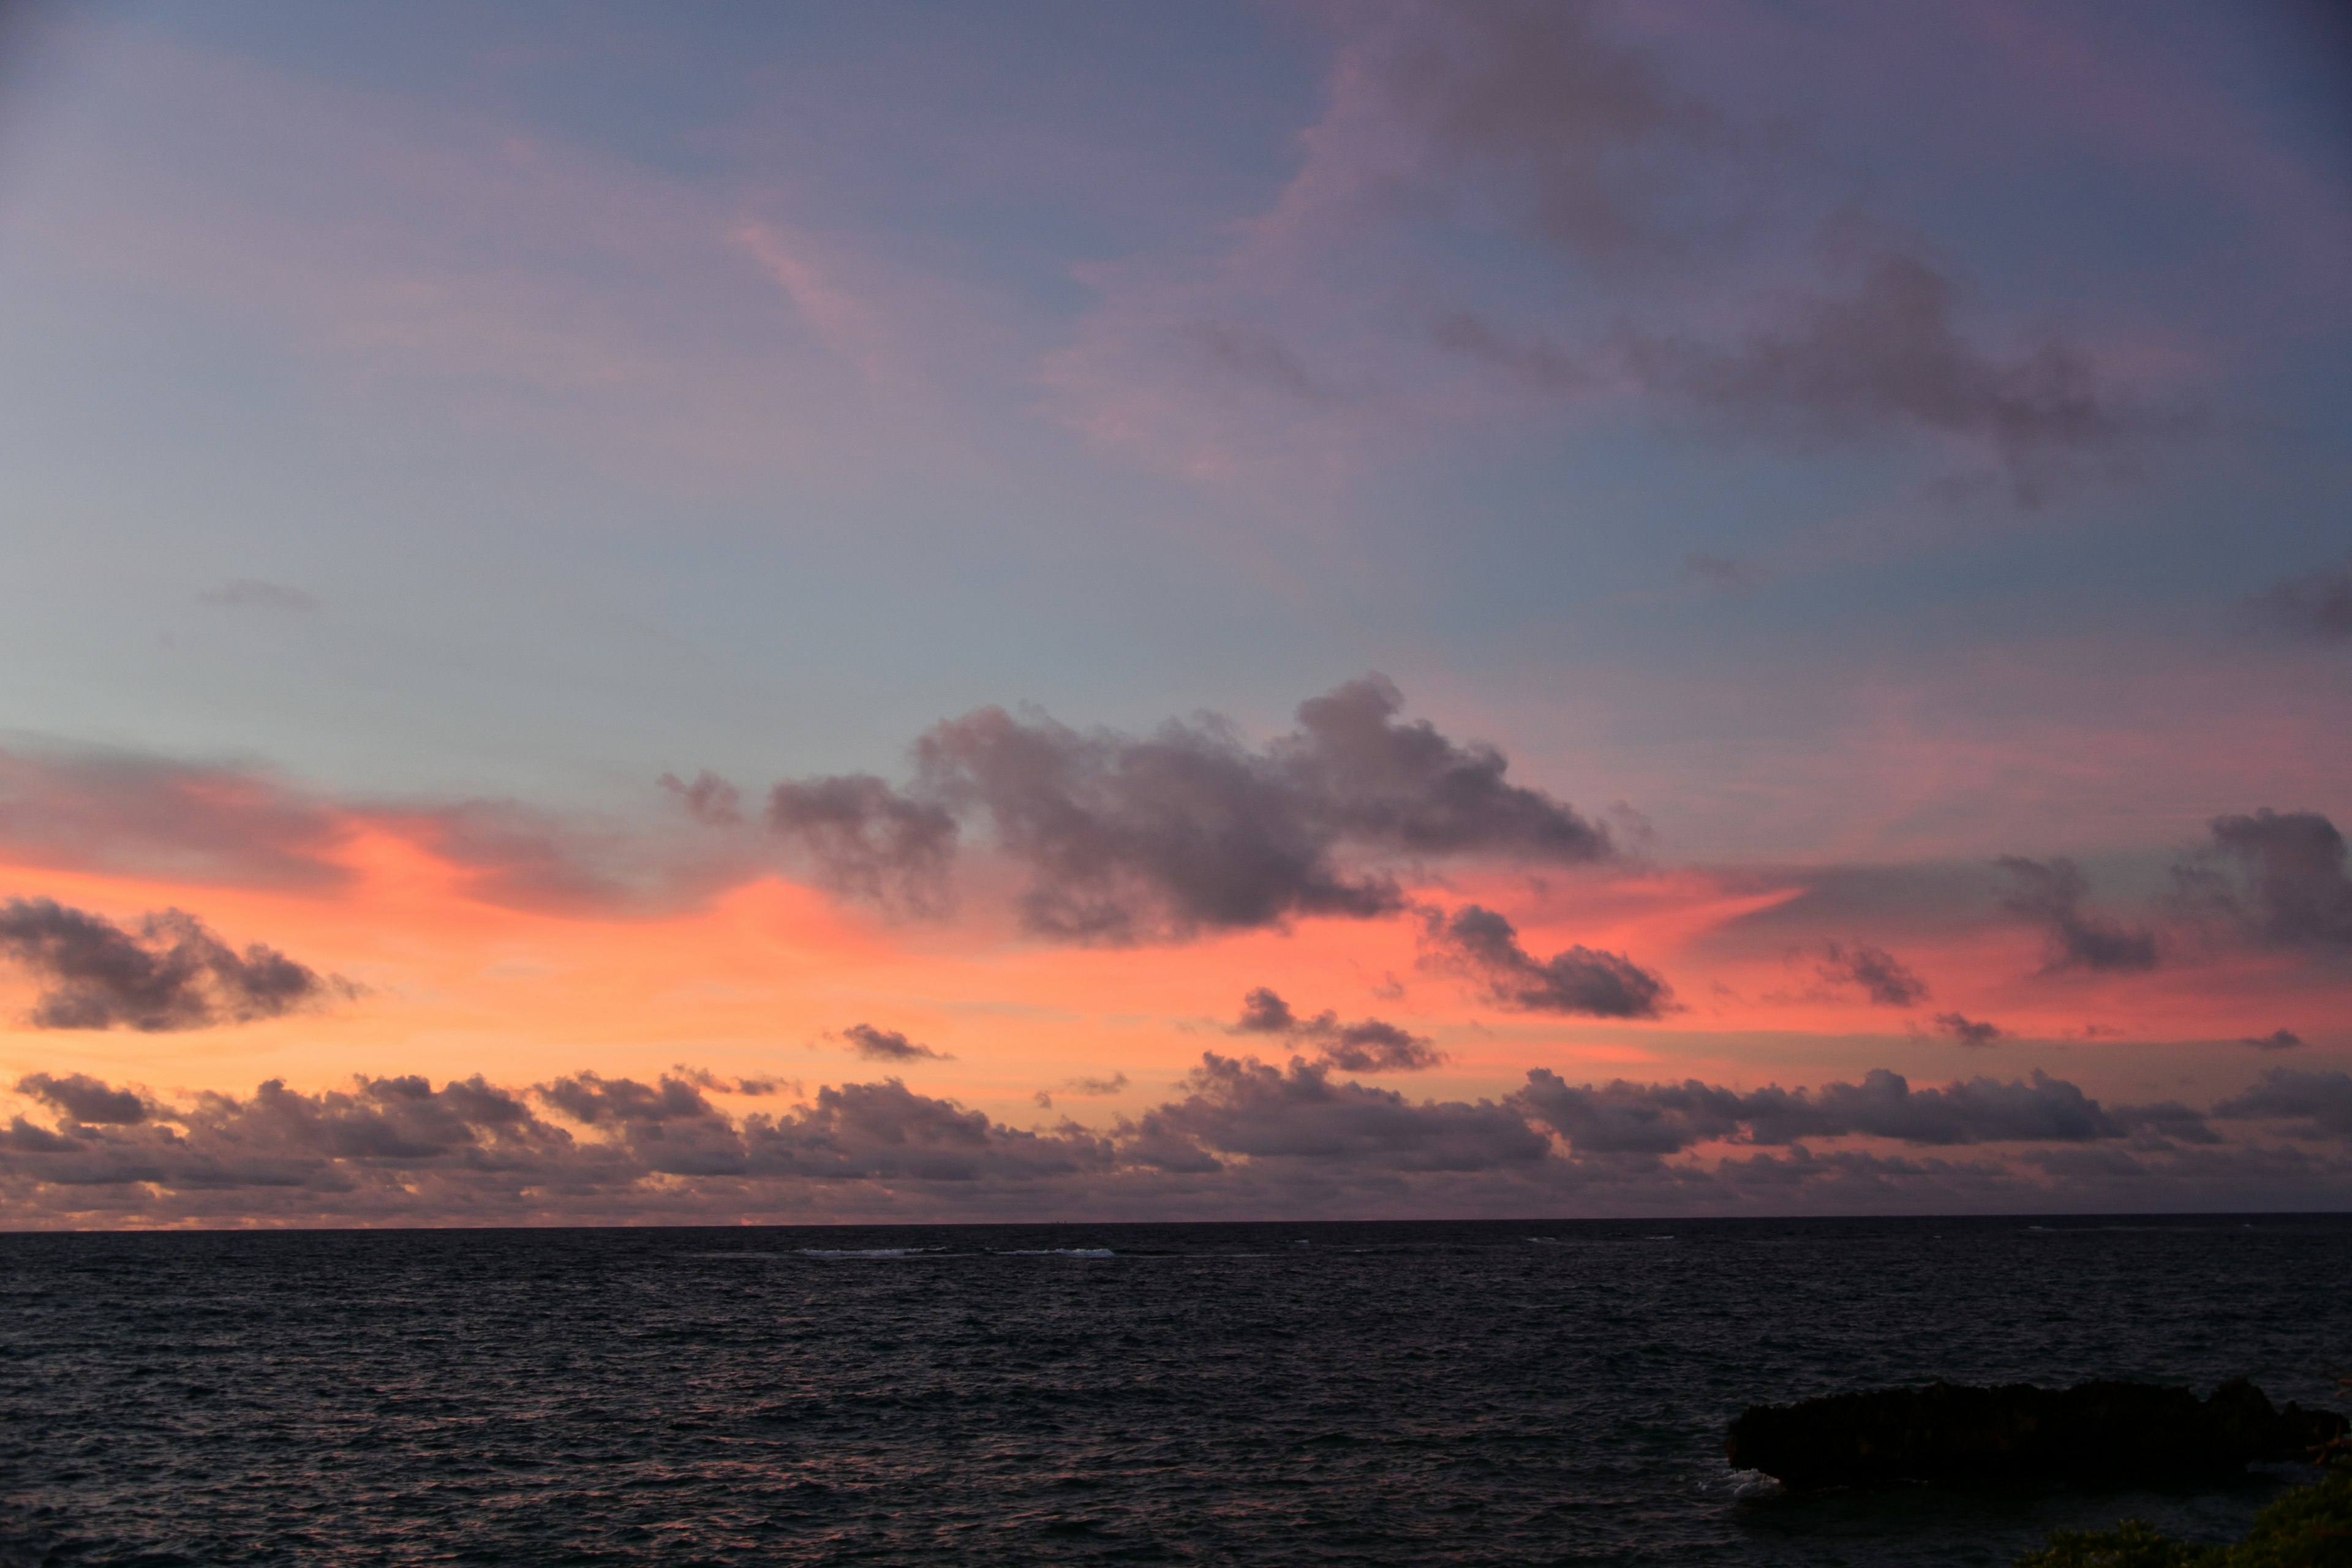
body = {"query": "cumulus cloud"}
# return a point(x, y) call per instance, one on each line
point(170, 973)
point(868, 840)
point(1243, 1108)
point(709, 799)
point(1650, 1120)
point(2282, 874)
point(2319, 1103)
point(889, 1046)
point(1477, 943)
point(1964, 1030)
point(2050, 893)
point(1128, 840)
point(1239, 1136)
point(85, 1099)
point(1369, 1044)
point(2316, 604)
point(1876, 973)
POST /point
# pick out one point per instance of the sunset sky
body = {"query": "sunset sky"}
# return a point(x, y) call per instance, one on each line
point(916, 611)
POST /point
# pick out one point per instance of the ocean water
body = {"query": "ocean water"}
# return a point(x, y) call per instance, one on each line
point(1522, 1393)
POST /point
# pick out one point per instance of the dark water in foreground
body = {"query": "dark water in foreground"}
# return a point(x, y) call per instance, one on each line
point(1437, 1393)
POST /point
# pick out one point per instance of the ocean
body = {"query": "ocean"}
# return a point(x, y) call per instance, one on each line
point(1530, 1392)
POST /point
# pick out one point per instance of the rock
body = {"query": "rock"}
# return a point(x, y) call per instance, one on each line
point(2090, 1432)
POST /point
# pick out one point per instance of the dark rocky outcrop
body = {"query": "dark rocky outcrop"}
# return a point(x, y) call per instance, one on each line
point(2090, 1432)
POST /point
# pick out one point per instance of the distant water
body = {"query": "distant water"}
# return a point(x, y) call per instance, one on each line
point(1522, 1393)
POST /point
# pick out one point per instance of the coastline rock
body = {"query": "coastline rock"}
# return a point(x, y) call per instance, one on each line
point(2090, 1432)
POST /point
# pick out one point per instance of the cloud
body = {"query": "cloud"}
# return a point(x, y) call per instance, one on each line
point(1655, 1119)
point(1239, 1137)
point(1883, 977)
point(168, 820)
point(1128, 840)
point(596, 1101)
point(140, 816)
point(889, 1046)
point(2320, 1102)
point(172, 972)
point(1967, 1031)
point(2276, 1040)
point(1370, 1045)
point(2052, 893)
point(1536, 111)
point(709, 799)
point(1888, 354)
point(1251, 355)
point(2166, 1122)
point(1086, 1087)
point(1243, 1108)
point(750, 1088)
point(2315, 605)
point(868, 840)
point(885, 1131)
point(2281, 874)
point(253, 594)
point(85, 1099)
point(1477, 943)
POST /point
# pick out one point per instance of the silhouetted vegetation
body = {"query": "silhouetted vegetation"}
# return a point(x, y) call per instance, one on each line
point(2310, 1527)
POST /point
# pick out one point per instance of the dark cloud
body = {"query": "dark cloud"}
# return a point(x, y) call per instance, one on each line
point(1245, 1109)
point(1127, 839)
point(1967, 1031)
point(1889, 355)
point(253, 594)
point(85, 1099)
point(709, 799)
point(868, 840)
point(2050, 893)
point(172, 972)
point(1239, 1137)
point(385, 1139)
point(2281, 873)
point(2320, 1102)
point(1657, 1120)
point(2276, 1040)
point(889, 1046)
point(1883, 977)
point(1477, 943)
point(601, 1102)
point(1370, 1045)
point(2168, 1120)
point(2315, 605)
point(150, 816)
point(885, 1131)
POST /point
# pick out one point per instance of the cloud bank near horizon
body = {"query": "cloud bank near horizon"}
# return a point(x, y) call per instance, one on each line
point(1239, 1136)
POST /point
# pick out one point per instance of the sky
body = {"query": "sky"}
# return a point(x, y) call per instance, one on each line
point(626, 614)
